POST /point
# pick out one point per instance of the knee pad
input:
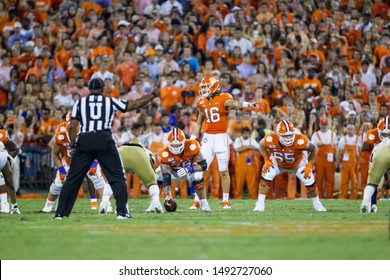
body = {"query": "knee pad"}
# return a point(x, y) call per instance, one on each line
point(55, 189)
point(196, 176)
point(264, 183)
point(199, 185)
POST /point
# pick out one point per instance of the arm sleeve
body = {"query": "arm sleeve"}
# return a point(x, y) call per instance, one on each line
point(119, 104)
point(76, 111)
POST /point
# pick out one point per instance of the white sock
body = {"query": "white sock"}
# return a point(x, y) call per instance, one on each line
point(107, 192)
point(261, 198)
point(3, 197)
point(368, 192)
point(93, 200)
point(225, 197)
point(154, 192)
point(316, 199)
point(196, 198)
point(203, 202)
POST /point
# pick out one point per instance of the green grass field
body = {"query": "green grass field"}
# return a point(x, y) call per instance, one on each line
point(287, 230)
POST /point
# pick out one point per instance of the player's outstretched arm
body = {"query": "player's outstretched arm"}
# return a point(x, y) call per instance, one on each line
point(229, 104)
point(141, 102)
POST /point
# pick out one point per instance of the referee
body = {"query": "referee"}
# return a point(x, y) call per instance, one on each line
point(95, 113)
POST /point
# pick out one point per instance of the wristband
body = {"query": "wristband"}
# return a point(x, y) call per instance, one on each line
point(94, 164)
point(190, 169)
point(193, 137)
point(62, 170)
point(245, 104)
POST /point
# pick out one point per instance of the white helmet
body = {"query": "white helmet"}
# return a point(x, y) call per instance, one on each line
point(286, 133)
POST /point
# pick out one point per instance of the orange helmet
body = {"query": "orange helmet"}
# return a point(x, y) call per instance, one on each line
point(209, 85)
point(286, 132)
point(68, 116)
point(384, 128)
point(176, 139)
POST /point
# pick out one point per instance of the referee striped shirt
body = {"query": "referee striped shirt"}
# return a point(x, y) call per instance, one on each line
point(96, 112)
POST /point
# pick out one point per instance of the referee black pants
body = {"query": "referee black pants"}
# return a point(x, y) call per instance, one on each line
point(90, 146)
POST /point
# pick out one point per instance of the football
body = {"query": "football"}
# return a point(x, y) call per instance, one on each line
point(170, 205)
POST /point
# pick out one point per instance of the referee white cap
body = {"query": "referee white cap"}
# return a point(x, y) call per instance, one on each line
point(96, 84)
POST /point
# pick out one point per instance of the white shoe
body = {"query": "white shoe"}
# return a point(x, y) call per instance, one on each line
point(15, 210)
point(5, 207)
point(226, 204)
point(155, 206)
point(374, 208)
point(109, 208)
point(319, 207)
point(125, 217)
point(260, 207)
point(47, 209)
point(205, 207)
point(365, 207)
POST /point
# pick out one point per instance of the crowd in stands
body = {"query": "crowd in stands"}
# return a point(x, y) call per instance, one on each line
point(313, 62)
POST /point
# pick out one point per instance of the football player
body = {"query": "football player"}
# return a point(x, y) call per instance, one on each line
point(284, 151)
point(62, 154)
point(372, 138)
point(213, 110)
point(8, 151)
point(140, 161)
point(380, 165)
point(182, 159)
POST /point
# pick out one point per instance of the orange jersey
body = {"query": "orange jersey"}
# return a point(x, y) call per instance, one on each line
point(62, 139)
point(3, 136)
point(62, 126)
point(191, 150)
point(372, 138)
point(286, 157)
point(215, 113)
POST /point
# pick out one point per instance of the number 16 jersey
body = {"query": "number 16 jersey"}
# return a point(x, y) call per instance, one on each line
point(286, 157)
point(215, 113)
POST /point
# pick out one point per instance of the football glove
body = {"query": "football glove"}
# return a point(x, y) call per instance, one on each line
point(184, 171)
point(92, 169)
point(267, 165)
point(307, 171)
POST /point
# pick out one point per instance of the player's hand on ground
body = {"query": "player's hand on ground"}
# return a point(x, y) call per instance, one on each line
point(267, 166)
point(307, 171)
point(93, 168)
point(63, 173)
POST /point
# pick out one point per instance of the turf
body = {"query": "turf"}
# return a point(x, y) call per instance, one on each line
point(287, 230)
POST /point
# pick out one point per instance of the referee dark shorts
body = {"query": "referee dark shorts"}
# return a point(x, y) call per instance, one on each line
point(95, 113)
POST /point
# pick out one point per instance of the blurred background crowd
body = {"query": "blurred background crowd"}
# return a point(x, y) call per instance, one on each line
point(322, 64)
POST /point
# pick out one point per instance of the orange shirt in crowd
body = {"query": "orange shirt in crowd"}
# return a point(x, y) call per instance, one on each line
point(320, 14)
point(262, 107)
point(128, 73)
point(99, 51)
point(169, 96)
point(62, 57)
point(381, 9)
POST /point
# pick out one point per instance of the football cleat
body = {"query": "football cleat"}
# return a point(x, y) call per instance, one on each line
point(47, 209)
point(124, 217)
point(5, 207)
point(94, 206)
point(260, 207)
point(155, 206)
point(103, 208)
point(374, 208)
point(15, 210)
point(195, 205)
point(225, 204)
point(205, 207)
point(365, 207)
point(319, 207)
